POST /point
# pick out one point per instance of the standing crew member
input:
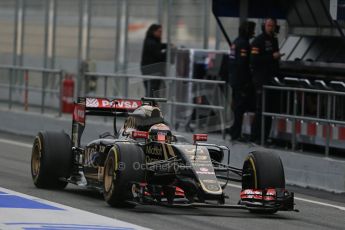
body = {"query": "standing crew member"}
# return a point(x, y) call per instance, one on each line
point(240, 76)
point(153, 58)
point(265, 58)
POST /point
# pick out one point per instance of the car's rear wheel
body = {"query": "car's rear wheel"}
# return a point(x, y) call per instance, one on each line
point(51, 160)
point(123, 166)
point(263, 170)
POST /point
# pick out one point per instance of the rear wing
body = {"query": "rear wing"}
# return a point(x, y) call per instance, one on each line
point(107, 107)
point(98, 107)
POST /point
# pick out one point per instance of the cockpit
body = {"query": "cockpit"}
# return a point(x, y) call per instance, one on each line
point(149, 119)
point(147, 116)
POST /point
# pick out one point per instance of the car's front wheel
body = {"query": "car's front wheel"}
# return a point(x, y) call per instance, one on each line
point(263, 170)
point(123, 167)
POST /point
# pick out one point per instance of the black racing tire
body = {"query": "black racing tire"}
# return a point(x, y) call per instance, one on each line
point(266, 170)
point(124, 165)
point(263, 170)
point(51, 160)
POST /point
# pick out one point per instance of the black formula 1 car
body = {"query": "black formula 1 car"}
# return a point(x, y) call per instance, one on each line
point(144, 163)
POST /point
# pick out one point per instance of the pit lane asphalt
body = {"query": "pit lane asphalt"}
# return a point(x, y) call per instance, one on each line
point(15, 175)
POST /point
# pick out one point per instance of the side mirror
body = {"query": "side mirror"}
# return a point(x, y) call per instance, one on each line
point(140, 134)
point(200, 137)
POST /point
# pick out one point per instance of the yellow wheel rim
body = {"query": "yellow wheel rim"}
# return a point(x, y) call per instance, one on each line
point(108, 175)
point(36, 158)
point(110, 170)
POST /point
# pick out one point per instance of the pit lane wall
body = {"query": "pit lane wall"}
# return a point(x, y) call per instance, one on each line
point(302, 169)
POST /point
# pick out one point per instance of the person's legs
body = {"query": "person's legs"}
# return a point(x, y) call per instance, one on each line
point(147, 90)
point(151, 87)
point(256, 126)
point(239, 109)
point(155, 86)
point(268, 126)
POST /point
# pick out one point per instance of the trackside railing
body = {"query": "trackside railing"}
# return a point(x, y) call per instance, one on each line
point(171, 92)
point(30, 86)
point(323, 124)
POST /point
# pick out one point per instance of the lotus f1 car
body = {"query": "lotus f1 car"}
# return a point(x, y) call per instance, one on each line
point(144, 163)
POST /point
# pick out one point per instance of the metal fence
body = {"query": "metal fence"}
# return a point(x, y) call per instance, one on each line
point(32, 87)
point(309, 116)
point(36, 89)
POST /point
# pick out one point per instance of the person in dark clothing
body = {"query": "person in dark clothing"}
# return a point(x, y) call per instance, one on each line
point(265, 58)
point(153, 58)
point(240, 76)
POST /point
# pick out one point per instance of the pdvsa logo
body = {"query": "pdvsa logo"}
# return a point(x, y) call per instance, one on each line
point(121, 104)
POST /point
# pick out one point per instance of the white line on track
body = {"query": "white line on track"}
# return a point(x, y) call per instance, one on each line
point(320, 203)
point(16, 143)
point(230, 184)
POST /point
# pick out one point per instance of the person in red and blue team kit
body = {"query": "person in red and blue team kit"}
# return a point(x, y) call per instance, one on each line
point(240, 76)
point(265, 58)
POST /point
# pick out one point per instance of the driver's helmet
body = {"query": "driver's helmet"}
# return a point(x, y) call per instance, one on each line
point(160, 132)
